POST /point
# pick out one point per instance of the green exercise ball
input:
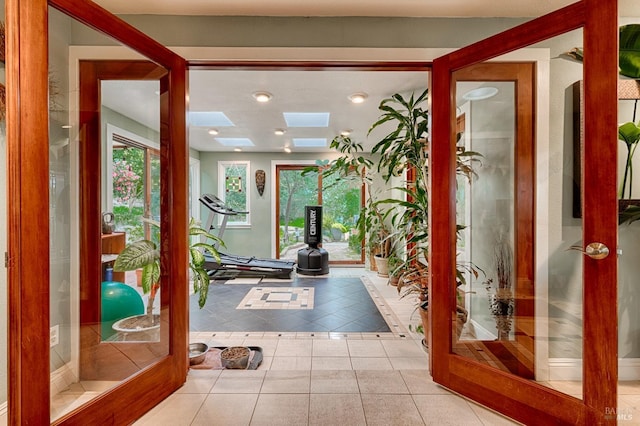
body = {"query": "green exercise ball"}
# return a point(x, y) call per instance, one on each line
point(118, 301)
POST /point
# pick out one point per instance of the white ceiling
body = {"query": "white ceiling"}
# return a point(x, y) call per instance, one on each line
point(297, 91)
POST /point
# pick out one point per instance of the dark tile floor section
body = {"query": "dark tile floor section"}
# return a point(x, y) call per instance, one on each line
point(341, 305)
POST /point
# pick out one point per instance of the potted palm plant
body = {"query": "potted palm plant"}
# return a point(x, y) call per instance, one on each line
point(403, 149)
point(144, 254)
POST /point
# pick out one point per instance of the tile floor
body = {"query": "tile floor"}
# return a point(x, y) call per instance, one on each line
point(345, 302)
point(323, 378)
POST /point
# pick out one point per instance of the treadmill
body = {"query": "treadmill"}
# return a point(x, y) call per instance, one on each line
point(231, 266)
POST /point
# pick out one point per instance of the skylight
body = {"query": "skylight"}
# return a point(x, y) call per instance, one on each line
point(310, 142)
point(306, 119)
point(235, 141)
point(209, 119)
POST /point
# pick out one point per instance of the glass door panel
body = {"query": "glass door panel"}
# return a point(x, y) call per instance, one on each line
point(3, 247)
point(295, 190)
point(92, 348)
point(629, 235)
point(538, 220)
point(341, 201)
point(342, 204)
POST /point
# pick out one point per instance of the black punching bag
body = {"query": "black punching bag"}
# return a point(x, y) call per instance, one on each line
point(313, 260)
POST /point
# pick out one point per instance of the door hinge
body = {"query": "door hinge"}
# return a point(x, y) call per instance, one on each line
point(6, 259)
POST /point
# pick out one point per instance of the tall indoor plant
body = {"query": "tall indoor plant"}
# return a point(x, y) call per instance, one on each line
point(405, 149)
point(144, 254)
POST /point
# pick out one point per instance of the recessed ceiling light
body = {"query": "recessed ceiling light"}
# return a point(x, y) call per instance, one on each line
point(279, 132)
point(262, 96)
point(287, 149)
point(237, 149)
point(358, 98)
point(213, 132)
point(345, 132)
point(66, 126)
point(480, 93)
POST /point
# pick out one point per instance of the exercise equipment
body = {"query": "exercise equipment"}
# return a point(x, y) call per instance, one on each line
point(245, 266)
point(118, 301)
point(313, 260)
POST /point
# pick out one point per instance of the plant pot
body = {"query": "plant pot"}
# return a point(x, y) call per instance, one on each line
point(461, 319)
point(235, 357)
point(137, 328)
point(382, 265)
point(394, 280)
point(424, 316)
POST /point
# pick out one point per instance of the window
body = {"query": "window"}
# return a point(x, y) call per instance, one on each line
point(233, 189)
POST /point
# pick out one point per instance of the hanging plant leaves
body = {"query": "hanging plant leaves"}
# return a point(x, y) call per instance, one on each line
point(630, 50)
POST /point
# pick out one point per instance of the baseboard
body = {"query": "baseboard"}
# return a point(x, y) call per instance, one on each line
point(482, 333)
point(571, 369)
point(61, 379)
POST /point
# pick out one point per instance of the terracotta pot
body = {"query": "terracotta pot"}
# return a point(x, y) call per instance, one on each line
point(382, 264)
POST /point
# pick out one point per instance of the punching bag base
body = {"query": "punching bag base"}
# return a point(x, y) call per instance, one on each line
point(313, 261)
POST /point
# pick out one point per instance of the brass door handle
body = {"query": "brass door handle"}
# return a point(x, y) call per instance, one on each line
point(593, 250)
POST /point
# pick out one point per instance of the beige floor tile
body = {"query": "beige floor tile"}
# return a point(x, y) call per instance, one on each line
point(281, 409)
point(446, 410)
point(381, 382)
point(336, 409)
point(403, 348)
point(268, 345)
point(419, 382)
point(226, 409)
point(386, 410)
point(199, 381)
point(330, 363)
point(334, 381)
point(266, 363)
point(330, 348)
point(629, 387)
point(281, 382)
point(567, 386)
point(293, 347)
point(405, 363)
point(629, 409)
point(371, 364)
point(366, 348)
point(239, 381)
point(490, 418)
point(291, 363)
point(177, 410)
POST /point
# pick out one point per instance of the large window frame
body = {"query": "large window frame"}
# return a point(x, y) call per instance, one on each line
point(244, 186)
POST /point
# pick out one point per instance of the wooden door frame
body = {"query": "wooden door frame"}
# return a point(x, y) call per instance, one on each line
point(294, 166)
point(517, 397)
point(28, 281)
point(523, 75)
point(291, 166)
point(95, 362)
